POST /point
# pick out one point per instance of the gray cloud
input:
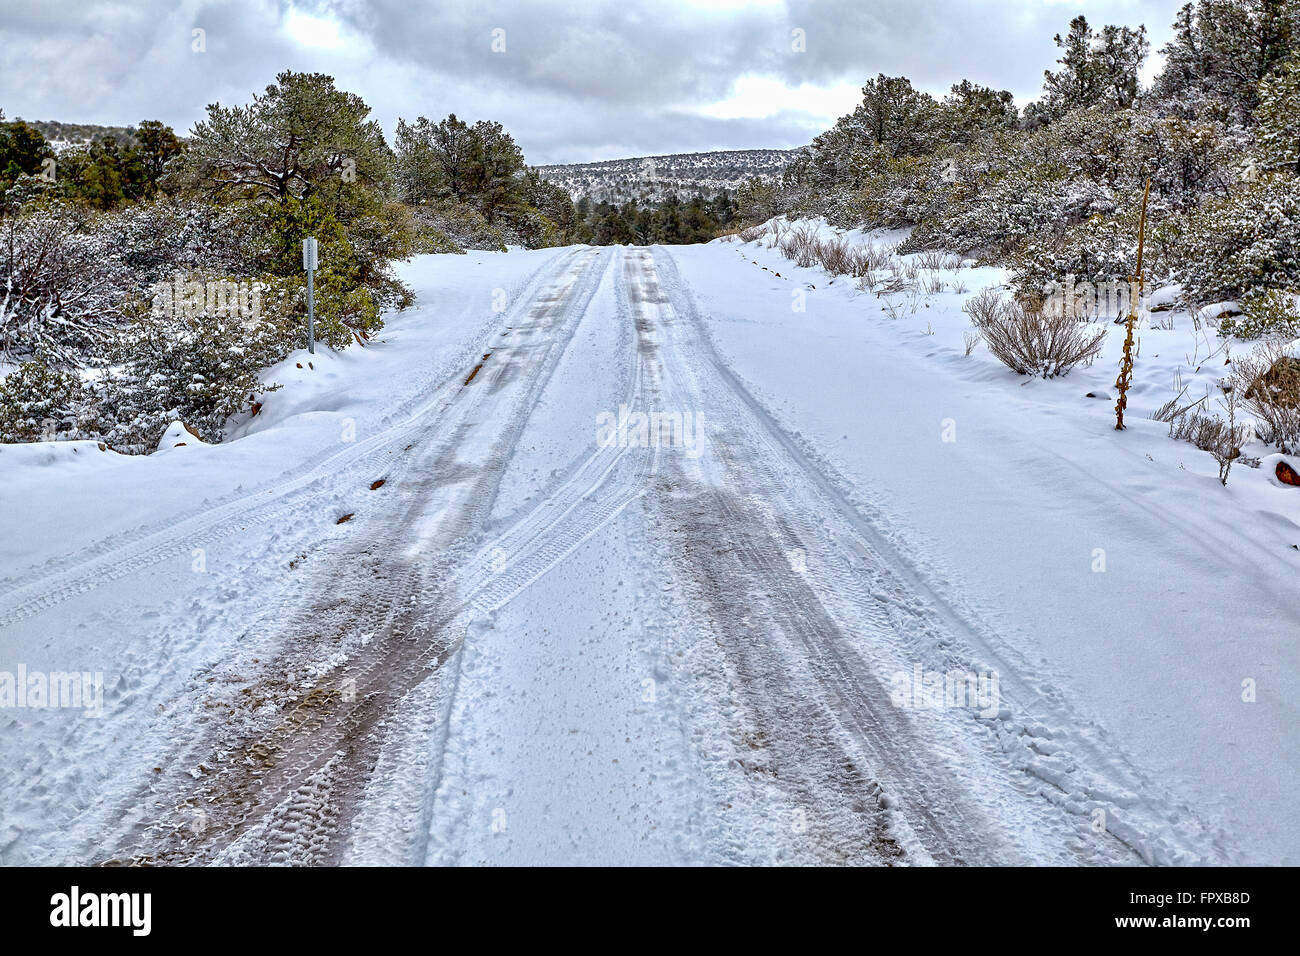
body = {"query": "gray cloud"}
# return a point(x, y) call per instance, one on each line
point(578, 80)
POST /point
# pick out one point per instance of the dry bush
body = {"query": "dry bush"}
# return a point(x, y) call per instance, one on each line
point(1222, 439)
point(752, 234)
point(970, 340)
point(801, 246)
point(1174, 408)
point(876, 258)
point(892, 285)
point(983, 307)
point(775, 234)
point(837, 256)
point(1209, 433)
point(1032, 342)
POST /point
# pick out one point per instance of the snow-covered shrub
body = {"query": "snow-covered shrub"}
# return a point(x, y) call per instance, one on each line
point(429, 240)
point(1032, 342)
point(1101, 249)
point(38, 403)
point(60, 284)
point(1008, 208)
point(1246, 243)
point(199, 367)
point(156, 239)
point(461, 223)
point(1272, 312)
point(897, 191)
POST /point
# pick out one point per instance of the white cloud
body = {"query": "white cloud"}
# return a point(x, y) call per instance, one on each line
point(307, 30)
point(760, 97)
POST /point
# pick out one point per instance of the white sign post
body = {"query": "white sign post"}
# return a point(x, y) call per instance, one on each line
point(309, 263)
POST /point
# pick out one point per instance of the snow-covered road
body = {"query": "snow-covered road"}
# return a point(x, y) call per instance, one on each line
point(543, 633)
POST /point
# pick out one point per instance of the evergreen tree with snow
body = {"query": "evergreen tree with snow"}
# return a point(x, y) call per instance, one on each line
point(1221, 51)
point(1096, 69)
point(1278, 116)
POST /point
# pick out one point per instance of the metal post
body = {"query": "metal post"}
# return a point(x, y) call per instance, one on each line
point(311, 311)
point(309, 263)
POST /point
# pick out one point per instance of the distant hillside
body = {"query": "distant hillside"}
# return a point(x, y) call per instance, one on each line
point(62, 135)
point(653, 177)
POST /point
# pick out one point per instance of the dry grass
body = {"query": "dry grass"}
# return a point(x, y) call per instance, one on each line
point(938, 261)
point(1268, 384)
point(932, 285)
point(801, 246)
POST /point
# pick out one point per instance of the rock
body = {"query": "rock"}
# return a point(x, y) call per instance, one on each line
point(1287, 475)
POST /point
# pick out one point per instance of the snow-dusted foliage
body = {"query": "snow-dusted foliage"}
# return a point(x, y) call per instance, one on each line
point(1268, 313)
point(131, 290)
point(199, 366)
point(38, 403)
point(60, 285)
point(155, 239)
point(1279, 118)
point(1056, 191)
point(1244, 243)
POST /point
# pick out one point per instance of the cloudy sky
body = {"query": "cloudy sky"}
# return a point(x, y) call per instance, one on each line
point(572, 80)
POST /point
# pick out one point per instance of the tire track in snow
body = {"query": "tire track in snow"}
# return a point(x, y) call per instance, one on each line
point(306, 771)
point(1069, 766)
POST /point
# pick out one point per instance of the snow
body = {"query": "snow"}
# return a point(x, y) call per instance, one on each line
point(178, 436)
point(585, 654)
point(1198, 592)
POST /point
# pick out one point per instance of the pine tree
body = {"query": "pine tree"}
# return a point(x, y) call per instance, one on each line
point(1096, 69)
point(300, 136)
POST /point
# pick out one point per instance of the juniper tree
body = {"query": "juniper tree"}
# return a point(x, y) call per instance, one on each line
point(23, 151)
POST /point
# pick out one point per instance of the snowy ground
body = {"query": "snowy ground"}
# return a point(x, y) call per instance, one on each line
point(540, 641)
